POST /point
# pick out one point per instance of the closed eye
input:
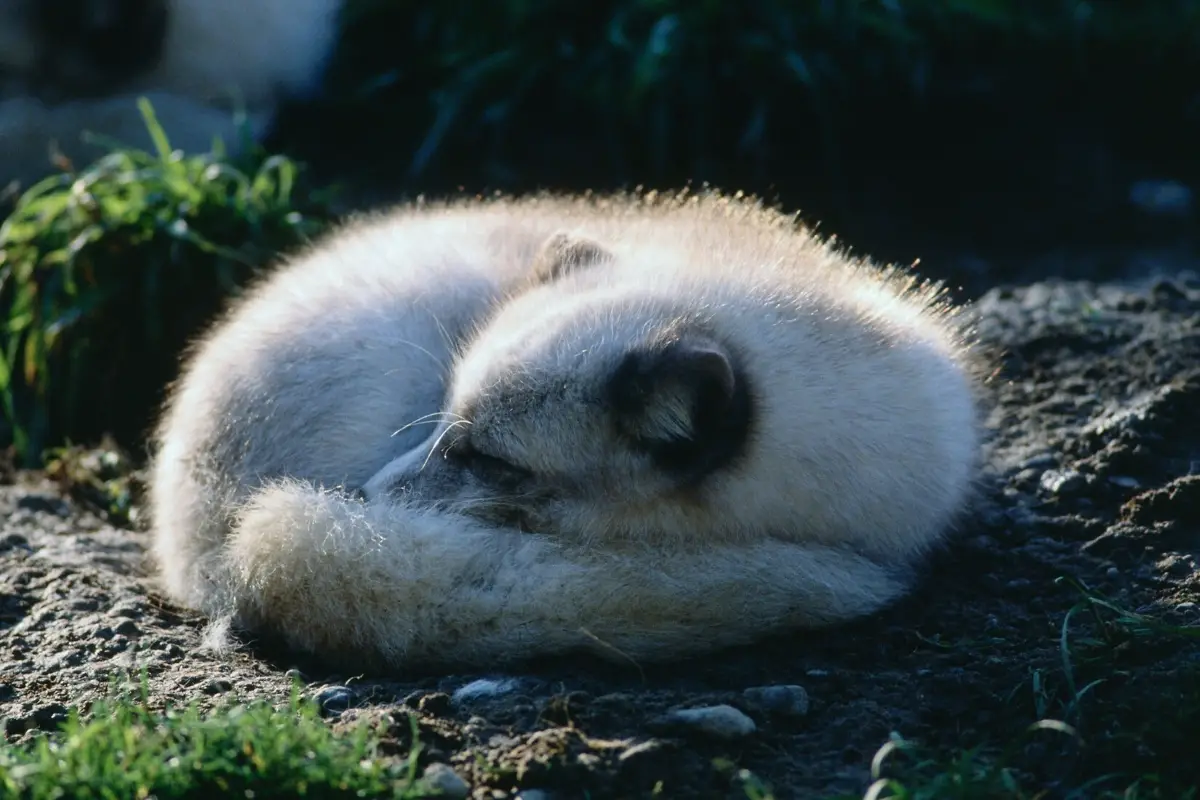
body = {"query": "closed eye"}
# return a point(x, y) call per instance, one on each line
point(486, 467)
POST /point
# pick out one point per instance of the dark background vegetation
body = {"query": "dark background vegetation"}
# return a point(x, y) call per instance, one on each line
point(989, 138)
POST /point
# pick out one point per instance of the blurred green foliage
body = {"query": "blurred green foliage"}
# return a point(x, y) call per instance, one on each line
point(105, 273)
point(524, 92)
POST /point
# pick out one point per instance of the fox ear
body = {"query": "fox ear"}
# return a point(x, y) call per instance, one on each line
point(686, 404)
point(667, 393)
point(563, 253)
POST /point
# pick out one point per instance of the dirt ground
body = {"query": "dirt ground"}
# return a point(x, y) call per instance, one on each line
point(1093, 474)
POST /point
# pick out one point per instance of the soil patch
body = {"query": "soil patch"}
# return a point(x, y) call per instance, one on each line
point(1092, 491)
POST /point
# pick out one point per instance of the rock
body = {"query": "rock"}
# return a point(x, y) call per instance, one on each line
point(48, 717)
point(44, 504)
point(484, 688)
point(127, 628)
point(720, 722)
point(1062, 482)
point(335, 699)
point(14, 541)
point(786, 700)
point(217, 686)
point(435, 704)
point(445, 781)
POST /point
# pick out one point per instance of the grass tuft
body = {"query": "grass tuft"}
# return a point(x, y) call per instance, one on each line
point(123, 750)
point(106, 272)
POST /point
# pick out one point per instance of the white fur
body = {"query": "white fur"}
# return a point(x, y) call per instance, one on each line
point(408, 586)
point(862, 454)
point(219, 56)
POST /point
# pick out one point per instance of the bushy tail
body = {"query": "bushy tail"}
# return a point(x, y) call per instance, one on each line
point(404, 586)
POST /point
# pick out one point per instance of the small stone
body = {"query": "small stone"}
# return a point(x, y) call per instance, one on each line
point(127, 628)
point(128, 610)
point(14, 541)
point(1125, 482)
point(1038, 462)
point(721, 722)
point(484, 688)
point(44, 503)
point(642, 749)
point(435, 704)
point(788, 700)
point(1062, 481)
point(335, 699)
point(49, 716)
point(217, 686)
point(445, 781)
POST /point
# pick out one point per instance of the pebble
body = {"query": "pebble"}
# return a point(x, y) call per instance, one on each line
point(484, 687)
point(435, 704)
point(335, 699)
point(721, 722)
point(44, 503)
point(1062, 481)
point(647, 749)
point(127, 628)
point(1038, 462)
point(446, 781)
point(128, 610)
point(14, 541)
point(49, 716)
point(788, 700)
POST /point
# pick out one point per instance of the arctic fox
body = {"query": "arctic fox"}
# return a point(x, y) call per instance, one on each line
point(467, 433)
point(69, 66)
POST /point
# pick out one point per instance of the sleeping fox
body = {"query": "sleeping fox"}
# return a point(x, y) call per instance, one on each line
point(465, 433)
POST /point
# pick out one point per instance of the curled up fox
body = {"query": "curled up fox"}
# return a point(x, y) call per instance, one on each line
point(466, 433)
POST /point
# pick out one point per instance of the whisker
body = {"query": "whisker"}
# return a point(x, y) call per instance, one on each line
point(428, 419)
point(437, 443)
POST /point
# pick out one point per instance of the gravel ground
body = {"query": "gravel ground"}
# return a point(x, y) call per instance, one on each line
point(1094, 475)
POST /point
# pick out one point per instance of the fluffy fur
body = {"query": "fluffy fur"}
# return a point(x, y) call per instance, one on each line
point(71, 66)
point(468, 433)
